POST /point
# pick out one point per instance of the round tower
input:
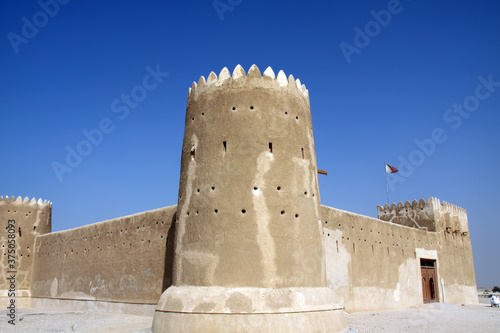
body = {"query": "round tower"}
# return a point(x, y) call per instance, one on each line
point(248, 243)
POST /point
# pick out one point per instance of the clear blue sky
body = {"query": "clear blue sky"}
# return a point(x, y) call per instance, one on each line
point(372, 95)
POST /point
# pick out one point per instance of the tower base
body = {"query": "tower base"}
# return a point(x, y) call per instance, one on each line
point(219, 309)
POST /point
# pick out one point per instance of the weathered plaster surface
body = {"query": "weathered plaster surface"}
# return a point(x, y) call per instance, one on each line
point(248, 210)
point(121, 260)
point(248, 187)
point(431, 215)
point(374, 264)
point(32, 218)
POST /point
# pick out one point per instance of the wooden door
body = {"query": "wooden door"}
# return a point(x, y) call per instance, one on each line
point(425, 285)
point(429, 289)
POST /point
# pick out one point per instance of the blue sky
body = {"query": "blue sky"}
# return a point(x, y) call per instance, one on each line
point(373, 94)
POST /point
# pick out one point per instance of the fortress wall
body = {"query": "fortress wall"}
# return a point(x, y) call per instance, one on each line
point(125, 260)
point(373, 264)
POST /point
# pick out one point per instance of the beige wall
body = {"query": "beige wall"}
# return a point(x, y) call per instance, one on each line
point(121, 260)
point(248, 197)
point(248, 235)
point(373, 264)
point(32, 218)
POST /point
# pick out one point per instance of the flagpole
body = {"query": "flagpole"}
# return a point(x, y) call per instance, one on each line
point(386, 185)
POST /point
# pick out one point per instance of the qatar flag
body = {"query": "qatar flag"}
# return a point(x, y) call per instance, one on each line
point(390, 169)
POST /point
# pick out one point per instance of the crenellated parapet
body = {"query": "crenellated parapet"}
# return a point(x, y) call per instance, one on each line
point(430, 215)
point(22, 221)
point(417, 214)
point(20, 201)
point(254, 79)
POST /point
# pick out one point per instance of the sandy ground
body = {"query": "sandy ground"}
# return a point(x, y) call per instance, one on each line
point(45, 321)
point(480, 318)
point(430, 318)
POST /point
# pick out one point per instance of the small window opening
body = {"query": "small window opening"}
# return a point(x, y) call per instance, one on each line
point(302, 152)
point(192, 154)
point(224, 145)
point(243, 211)
point(251, 107)
point(271, 147)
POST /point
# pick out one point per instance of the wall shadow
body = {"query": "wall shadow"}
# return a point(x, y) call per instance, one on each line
point(169, 255)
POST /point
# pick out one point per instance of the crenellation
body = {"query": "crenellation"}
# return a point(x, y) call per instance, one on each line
point(212, 79)
point(431, 215)
point(223, 75)
point(238, 72)
point(269, 73)
point(254, 72)
point(24, 202)
point(252, 78)
point(281, 78)
point(416, 214)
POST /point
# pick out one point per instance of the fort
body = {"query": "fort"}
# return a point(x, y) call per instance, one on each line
point(248, 247)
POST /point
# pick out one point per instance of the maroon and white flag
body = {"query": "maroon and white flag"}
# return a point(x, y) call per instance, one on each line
point(390, 169)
